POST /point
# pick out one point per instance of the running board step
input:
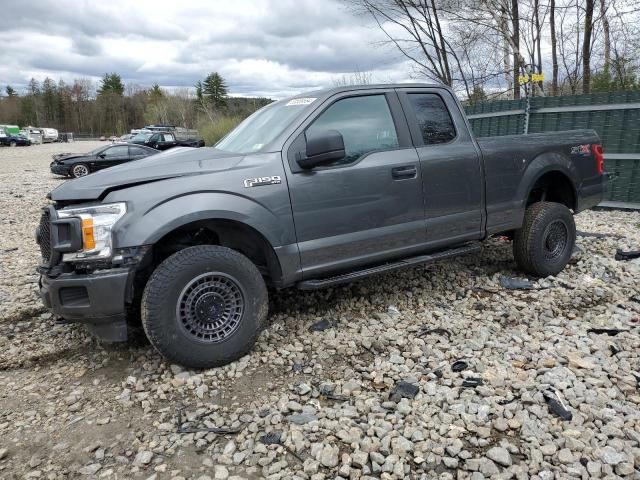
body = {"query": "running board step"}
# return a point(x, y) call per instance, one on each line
point(388, 267)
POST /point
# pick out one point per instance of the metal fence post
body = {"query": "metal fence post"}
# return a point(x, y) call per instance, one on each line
point(527, 112)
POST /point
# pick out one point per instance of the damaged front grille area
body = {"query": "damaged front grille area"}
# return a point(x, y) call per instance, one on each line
point(43, 236)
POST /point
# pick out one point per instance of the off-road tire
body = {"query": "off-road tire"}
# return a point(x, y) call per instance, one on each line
point(166, 287)
point(76, 168)
point(544, 244)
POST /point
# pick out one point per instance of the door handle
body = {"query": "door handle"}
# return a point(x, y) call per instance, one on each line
point(404, 173)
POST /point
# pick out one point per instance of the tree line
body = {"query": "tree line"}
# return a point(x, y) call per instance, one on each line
point(500, 48)
point(111, 107)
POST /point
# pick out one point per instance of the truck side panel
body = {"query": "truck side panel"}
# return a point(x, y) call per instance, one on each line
point(214, 196)
point(514, 163)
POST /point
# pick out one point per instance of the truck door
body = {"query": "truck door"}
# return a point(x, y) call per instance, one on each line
point(451, 169)
point(367, 206)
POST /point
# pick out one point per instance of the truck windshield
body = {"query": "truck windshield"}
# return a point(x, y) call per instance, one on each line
point(263, 126)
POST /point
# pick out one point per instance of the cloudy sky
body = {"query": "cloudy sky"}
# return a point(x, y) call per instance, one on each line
point(261, 47)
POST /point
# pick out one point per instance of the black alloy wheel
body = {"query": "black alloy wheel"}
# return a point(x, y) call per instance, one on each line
point(210, 307)
point(204, 306)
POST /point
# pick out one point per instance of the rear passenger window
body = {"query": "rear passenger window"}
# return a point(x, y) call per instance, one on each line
point(433, 118)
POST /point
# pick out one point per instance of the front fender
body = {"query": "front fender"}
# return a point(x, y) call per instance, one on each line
point(145, 226)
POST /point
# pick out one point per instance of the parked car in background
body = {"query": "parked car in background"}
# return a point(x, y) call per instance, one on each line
point(81, 164)
point(49, 135)
point(165, 140)
point(65, 137)
point(35, 135)
point(127, 137)
point(15, 141)
point(9, 130)
point(160, 128)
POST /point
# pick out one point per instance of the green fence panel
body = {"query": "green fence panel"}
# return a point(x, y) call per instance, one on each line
point(619, 129)
point(625, 183)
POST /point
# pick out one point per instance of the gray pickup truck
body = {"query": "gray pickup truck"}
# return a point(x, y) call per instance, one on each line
point(309, 192)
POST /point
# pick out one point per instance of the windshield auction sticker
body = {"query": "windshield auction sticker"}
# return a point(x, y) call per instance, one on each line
point(300, 101)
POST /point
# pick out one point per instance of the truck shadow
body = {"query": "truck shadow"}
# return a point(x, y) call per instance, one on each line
point(376, 290)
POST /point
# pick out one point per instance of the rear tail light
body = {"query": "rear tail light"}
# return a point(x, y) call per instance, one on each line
point(598, 154)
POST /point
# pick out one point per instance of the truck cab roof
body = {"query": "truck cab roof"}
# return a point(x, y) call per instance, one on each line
point(328, 92)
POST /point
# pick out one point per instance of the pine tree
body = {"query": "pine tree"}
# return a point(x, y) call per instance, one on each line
point(31, 103)
point(156, 93)
point(49, 95)
point(11, 92)
point(111, 83)
point(214, 89)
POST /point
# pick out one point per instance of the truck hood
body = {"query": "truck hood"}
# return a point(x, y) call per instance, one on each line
point(176, 162)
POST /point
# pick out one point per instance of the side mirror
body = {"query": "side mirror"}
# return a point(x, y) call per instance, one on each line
point(102, 155)
point(322, 148)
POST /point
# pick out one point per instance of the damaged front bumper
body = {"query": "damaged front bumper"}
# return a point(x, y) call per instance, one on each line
point(98, 296)
point(59, 169)
point(97, 299)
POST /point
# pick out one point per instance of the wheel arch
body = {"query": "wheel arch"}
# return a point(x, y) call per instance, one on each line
point(225, 232)
point(233, 234)
point(550, 177)
point(553, 186)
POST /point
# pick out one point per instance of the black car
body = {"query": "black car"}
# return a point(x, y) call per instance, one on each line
point(165, 140)
point(79, 164)
point(15, 141)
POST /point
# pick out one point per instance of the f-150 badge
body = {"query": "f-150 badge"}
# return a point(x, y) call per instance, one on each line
point(260, 181)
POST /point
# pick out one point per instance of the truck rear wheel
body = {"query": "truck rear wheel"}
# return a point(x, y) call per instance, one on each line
point(204, 306)
point(544, 244)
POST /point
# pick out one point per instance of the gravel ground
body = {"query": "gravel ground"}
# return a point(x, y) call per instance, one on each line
point(322, 394)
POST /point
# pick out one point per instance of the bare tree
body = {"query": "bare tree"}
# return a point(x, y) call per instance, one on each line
point(490, 44)
point(554, 47)
point(506, 49)
point(571, 20)
point(501, 21)
point(416, 28)
point(586, 45)
point(515, 39)
point(607, 35)
point(357, 77)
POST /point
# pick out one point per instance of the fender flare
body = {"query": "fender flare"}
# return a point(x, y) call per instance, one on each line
point(543, 164)
point(146, 228)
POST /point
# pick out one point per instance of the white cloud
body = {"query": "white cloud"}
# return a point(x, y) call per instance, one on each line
point(262, 47)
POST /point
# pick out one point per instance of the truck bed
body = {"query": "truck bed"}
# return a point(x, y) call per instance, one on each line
point(506, 161)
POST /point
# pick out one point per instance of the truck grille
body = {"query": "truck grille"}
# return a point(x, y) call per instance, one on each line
point(44, 237)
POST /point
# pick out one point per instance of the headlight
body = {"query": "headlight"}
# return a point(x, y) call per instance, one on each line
point(97, 222)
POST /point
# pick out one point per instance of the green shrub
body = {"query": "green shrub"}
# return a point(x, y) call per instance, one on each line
point(211, 132)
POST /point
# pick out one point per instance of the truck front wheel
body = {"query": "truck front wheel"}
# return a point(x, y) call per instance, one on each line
point(204, 306)
point(544, 244)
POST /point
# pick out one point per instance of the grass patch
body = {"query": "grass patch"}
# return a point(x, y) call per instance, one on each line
point(211, 132)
